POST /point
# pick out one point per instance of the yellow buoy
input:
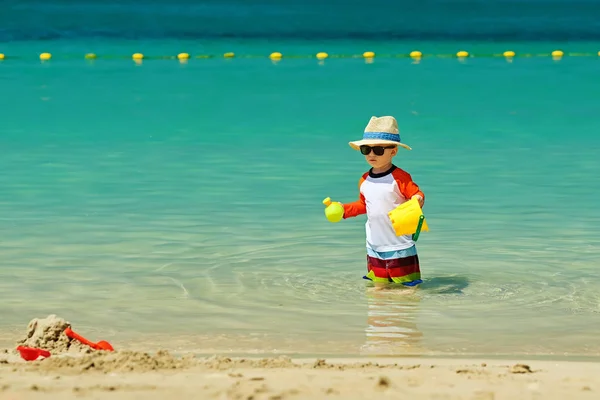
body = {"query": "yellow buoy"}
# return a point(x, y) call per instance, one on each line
point(183, 56)
point(229, 55)
point(557, 53)
point(509, 53)
point(90, 56)
point(322, 55)
point(416, 54)
point(599, 54)
point(462, 54)
point(137, 56)
point(275, 56)
point(1, 56)
point(368, 54)
point(45, 56)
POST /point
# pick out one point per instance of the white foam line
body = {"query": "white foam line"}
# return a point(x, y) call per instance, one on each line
point(163, 267)
point(185, 292)
point(171, 263)
point(206, 273)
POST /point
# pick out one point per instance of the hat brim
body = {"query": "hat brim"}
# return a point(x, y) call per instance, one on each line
point(371, 142)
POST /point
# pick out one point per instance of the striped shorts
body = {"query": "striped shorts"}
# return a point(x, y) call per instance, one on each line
point(399, 266)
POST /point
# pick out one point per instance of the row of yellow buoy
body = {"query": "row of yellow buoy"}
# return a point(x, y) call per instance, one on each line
point(279, 56)
point(418, 54)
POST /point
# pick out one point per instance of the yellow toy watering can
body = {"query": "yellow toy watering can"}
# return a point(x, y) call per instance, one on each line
point(408, 219)
point(334, 211)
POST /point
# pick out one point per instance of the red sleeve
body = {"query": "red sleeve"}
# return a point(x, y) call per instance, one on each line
point(357, 207)
point(407, 187)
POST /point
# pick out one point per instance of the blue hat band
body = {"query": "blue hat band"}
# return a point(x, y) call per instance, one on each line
point(382, 136)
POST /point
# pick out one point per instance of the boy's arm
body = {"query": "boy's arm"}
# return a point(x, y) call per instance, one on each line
point(408, 187)
point(357, 207)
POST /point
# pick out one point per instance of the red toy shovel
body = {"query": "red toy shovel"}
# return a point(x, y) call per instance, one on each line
point(32, 353)
point(101, 345)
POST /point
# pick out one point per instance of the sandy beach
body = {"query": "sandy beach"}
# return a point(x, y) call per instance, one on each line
point(76, 369)
point(130, 375)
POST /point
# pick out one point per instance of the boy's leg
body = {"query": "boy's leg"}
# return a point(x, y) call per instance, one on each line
point(400, 267)
point(405, 270)
point(381, 285)
point(377, 272)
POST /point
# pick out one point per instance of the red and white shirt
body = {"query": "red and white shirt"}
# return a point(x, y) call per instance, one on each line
point(380, 194)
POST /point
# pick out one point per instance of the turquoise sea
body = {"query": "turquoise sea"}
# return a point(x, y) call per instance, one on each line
point(179, 204)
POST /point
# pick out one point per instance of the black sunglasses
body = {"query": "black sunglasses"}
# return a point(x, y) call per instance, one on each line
point(378, 150)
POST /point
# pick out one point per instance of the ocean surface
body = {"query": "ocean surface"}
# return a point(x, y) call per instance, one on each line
point(180, 204)
point(446, 20)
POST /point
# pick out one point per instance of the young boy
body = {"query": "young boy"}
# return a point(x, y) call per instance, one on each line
point(390, 258)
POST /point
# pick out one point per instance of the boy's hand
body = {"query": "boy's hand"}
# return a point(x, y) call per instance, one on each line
point(419, 199)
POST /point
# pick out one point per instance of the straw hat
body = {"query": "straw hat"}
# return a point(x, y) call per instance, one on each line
point(380, 130)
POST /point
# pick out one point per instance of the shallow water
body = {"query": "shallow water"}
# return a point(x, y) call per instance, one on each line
point(180, 205)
